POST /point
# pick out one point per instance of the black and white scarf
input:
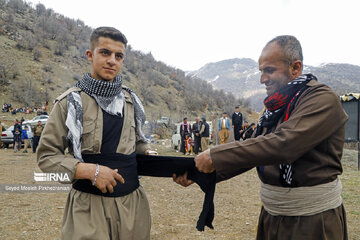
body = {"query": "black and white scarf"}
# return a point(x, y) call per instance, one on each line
point(279, 106)
point(110, 97)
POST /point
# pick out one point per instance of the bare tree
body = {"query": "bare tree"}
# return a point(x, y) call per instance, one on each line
point(37, 54)
point(40, 9)
point(8, 70)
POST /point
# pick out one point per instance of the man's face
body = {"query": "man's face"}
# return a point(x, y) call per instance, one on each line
point(236, 109)
point(197, 120)
point(224, 115)
point(275, 73)
point(185, 121)
point(106, 59)
point(39, 123)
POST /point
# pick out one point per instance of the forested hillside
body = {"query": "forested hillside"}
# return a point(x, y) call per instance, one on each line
point(42, 53)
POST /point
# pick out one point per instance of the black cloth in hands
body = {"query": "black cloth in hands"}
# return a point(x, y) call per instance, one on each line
point(166, 166)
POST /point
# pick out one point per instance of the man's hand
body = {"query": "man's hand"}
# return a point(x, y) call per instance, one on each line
point(151, 152)
point(203, 162)
point(106, 180)
point(182, 180)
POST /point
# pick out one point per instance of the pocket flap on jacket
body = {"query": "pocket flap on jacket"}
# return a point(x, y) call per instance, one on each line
point(88, 127)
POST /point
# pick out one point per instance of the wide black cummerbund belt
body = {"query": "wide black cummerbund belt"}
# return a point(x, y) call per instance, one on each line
point(130, 166)
point(166, 166)
point(127, 168)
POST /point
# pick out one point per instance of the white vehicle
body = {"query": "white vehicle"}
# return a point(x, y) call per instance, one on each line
point(33, 122)
point(7, 137)
point(176, 138)
point(163, 120)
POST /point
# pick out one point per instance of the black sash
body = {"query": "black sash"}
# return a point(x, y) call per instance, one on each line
point(127, 168)
point(155, 166)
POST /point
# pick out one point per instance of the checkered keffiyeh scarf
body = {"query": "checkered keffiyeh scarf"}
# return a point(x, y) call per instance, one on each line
point(110, 97)
point(279, 106)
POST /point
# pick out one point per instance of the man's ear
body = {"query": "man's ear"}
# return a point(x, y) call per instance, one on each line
point(296, 69)
point(89, 55)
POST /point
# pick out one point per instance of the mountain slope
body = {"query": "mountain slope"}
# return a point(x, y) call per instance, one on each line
point(241, 77)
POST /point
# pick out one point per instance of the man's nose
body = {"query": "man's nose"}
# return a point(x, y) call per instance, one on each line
point(263, 78)
point(111, 60)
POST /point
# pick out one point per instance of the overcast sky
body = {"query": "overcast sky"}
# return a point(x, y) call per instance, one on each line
point(187, 34)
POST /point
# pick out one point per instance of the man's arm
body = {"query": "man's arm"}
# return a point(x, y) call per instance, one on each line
point(51, 150)
point(141, 146)
point(202, 129)
point(312, 121)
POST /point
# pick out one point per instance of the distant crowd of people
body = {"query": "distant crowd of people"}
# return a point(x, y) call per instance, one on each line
point(7, 107)
point(201, 132)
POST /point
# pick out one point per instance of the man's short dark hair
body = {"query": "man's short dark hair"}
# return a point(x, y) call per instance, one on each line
point(107, 32)
point(290, 46)
point(185, 118)
point(237, 107)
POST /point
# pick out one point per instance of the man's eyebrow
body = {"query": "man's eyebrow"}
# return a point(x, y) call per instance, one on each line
point(105, 49)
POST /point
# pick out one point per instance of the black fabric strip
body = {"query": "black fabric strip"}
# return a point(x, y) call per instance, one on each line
point(130, 166)
point(126, 165)
point(166, 166)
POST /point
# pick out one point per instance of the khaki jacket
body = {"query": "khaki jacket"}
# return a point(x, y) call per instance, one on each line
point(51, 155)
point(38, 130)
point(312, 140)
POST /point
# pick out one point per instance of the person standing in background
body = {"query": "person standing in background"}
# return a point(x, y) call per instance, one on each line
point(25, 138)
point(185, 129)
point(237, 121)
point(204, 134)
point(224, 127)
point(37, 133)
point(196, 131)
point(244, 128)
point(17, 140)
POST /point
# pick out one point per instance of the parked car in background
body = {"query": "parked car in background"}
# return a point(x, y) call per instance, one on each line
point(163, 120)
point(7, 136)
point(33, 122)
point(176, 138)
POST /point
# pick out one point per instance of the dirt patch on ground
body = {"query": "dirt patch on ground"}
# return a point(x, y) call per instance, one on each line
point(174, 209)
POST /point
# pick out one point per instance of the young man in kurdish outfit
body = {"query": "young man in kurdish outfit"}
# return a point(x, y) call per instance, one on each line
point(100, 121)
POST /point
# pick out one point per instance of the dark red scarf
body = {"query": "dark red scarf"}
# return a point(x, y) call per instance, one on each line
point(279, 106)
